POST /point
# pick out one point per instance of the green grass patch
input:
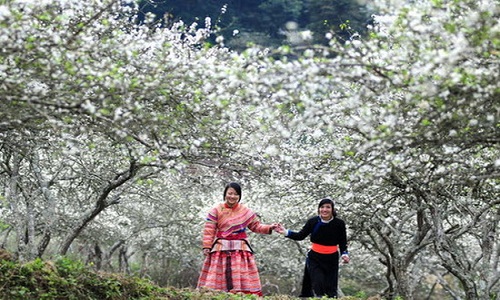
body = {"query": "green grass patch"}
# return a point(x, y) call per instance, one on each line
point(66, 279)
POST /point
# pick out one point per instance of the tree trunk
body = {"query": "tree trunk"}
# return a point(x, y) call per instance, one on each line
point(13, 199)
point(403, 283)
point(101, 204)
point(49, 209)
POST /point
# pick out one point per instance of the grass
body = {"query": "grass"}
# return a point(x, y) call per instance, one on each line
point(66, 279)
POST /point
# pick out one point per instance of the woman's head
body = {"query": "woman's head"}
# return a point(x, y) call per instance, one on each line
point(326, 209)
point(232, 193)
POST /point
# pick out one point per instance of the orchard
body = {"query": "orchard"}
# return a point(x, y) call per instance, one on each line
point(117, 136)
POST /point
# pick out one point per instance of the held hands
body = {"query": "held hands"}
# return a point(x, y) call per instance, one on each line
point(274, 225)
point(279, 228)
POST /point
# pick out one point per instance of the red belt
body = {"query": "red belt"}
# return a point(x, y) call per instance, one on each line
point(322, 249)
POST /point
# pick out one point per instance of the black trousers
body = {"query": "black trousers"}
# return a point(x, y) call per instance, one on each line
point(321, 275)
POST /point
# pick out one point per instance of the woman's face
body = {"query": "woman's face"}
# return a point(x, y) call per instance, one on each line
point(232, 197)
point(326, 211)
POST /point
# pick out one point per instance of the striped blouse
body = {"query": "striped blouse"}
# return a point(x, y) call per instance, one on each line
point(225, 228)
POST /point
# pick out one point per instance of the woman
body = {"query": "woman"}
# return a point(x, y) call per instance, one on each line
point(229, 261)
point(327, 235)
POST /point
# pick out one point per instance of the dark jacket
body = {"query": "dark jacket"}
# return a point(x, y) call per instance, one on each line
point(328, 234)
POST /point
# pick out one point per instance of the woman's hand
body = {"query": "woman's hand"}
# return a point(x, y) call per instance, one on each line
point(279, 228)
point(345, 258)
point(206, 251)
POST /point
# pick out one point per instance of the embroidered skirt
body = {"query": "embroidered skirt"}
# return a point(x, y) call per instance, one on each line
point(231, 271)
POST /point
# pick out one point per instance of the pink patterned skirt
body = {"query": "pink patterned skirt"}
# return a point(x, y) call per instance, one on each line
point(230, 271)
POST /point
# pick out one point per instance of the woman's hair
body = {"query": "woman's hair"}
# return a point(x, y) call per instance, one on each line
point(328, 201)
point(235, 186)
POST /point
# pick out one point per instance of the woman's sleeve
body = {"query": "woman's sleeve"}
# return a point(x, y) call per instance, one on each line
point(343, 238)
point(256, 226)
point(209, 229)
point(303, 233)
